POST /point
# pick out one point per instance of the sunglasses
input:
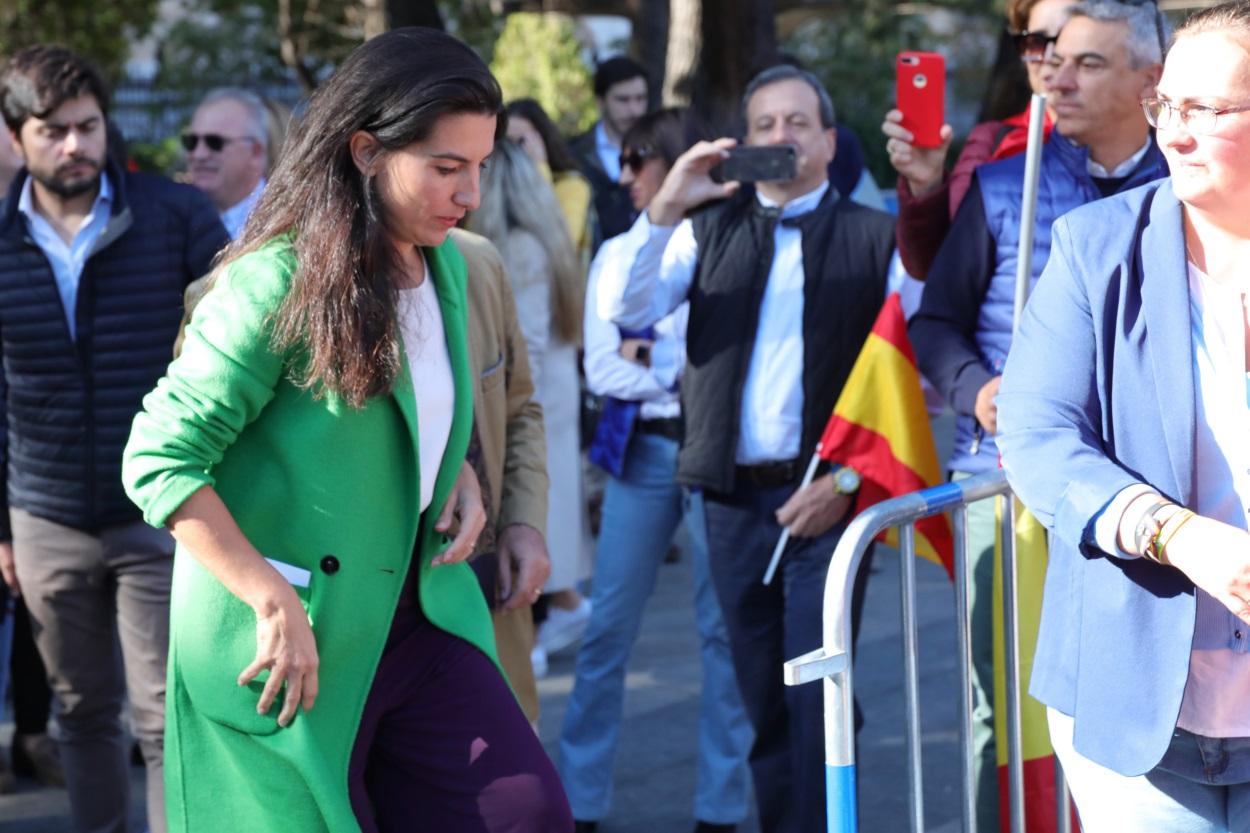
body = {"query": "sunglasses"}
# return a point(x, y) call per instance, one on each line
point(1033, 46)
point(213, 141)
point(635, 159)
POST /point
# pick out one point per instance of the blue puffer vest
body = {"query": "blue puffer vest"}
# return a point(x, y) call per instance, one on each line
point(1065, 184)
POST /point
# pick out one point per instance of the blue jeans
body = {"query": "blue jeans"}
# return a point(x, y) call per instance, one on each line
point(1202, 785)
point(767, 626)
point(641, 511)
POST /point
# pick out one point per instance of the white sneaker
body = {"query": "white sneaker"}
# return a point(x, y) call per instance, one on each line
point(563, 628)
point(538, 659)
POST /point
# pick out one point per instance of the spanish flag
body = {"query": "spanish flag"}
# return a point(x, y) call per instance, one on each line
point(880, 428)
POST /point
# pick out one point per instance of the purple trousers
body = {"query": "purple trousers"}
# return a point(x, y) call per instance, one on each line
point(443, 745)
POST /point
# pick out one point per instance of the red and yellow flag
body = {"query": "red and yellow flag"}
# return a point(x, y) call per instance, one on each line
point(880, 428)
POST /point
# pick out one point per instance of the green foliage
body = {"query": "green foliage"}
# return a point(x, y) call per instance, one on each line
point(101, 31)
point(221, 44)
point(538, 56)
point(853, 52)
point(156, 157)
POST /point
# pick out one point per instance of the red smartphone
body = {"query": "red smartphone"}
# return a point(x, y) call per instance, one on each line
point(921, 95)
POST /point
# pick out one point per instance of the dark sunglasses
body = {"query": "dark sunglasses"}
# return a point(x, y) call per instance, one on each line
point(213, 141)
point(1033, 46)
point(635, 159)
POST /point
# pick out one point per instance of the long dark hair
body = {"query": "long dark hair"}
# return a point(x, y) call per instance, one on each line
point(340, 314)
point(559, 157)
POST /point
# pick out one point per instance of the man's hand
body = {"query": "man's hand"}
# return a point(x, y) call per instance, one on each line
point(689, 183)
point(1216, 557)
point(8, 570)
point(923, 168)
point(464, 504)
point(813, 510)
point(637, 350)
point(522, 550)
point(985, 409)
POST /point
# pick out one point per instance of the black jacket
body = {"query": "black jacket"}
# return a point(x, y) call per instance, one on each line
point(846, 257)
point(66, 405)
point(614, 208)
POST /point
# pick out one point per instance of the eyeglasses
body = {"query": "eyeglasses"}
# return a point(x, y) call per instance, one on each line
point(1033, 46)
point(635, 159)
point(1197, 118)
point(213, 141)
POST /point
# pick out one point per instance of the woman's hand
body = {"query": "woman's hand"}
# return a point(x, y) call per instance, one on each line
point(464, 504)
point(286, 646)
point(923, 168)
point(1216, 557)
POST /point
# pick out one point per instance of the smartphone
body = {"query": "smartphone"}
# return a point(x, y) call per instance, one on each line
point(920, 93)
point(758, 163)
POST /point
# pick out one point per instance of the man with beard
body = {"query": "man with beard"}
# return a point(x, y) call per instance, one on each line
point(93, 262)
point(227, 151)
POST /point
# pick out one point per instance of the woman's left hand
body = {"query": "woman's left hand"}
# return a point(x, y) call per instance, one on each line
point(464, 505)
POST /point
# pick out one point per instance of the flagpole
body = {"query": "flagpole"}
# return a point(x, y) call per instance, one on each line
point(808, 477)
point(1028, 211)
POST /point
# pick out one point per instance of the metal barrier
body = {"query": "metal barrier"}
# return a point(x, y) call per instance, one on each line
point(831, 663)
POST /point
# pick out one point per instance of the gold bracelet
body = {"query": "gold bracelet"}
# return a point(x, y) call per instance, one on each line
point(1148, 526)
point(1171, 527)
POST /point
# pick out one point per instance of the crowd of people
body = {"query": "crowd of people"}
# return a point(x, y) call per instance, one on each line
point(298, 465)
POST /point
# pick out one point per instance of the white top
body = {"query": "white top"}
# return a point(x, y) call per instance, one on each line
point(609, 152)
point(635, 292)
point(425, 343)
point(67, 260)
point(234, 217)
point(1218, 687)
point(608, 373)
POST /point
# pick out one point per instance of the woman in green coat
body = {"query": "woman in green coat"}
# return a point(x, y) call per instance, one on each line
point(331, 660)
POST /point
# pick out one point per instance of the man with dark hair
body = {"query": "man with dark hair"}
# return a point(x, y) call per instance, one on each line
point(784, 281)
point(622, 95)
point(93, 262)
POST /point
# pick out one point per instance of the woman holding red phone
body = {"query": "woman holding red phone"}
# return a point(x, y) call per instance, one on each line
point(927, 196)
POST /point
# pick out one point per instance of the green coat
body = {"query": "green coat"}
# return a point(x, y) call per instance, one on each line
point(305, 479)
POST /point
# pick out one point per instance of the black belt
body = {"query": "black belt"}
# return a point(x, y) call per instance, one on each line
point(669, 427)
point(769, 475)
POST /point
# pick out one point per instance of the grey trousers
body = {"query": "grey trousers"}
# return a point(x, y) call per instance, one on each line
point(99, 608)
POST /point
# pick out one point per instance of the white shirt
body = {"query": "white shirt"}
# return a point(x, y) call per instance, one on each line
point(429, 364)
point(67, 260)
point(234, 217)
point(635, 292)
point(1218, 687)
point(1121, 170)
point(608, 373)
point(609, 152)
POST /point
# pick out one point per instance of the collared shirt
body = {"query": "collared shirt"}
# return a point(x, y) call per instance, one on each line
point(67, 260)
point(1121, 170)
point(609, 152)
point(636, 292)
point(608, 373)
point(1218, 687)
point(234, 217)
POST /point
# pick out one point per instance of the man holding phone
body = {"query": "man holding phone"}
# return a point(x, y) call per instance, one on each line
point(784, 278)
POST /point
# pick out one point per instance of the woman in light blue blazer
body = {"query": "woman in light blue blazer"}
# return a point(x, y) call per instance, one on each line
point(1124, 419)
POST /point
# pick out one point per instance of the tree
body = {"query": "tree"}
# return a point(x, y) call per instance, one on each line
point(537, 56)
point(99, 31)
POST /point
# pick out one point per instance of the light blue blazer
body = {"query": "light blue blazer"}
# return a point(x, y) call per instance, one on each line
point(1098, 393)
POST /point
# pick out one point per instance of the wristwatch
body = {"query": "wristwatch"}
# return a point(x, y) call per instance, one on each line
point(846, 480)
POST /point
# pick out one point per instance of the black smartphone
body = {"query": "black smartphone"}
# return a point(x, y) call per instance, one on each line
point(758, 163)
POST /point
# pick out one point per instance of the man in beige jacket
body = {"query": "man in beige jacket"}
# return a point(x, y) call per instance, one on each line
point(508, 451)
